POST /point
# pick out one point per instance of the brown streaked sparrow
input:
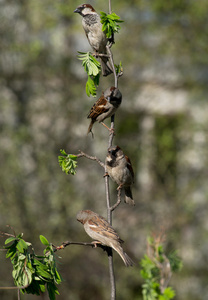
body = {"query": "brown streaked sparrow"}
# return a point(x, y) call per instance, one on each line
point(105, 106)
point(96, 37)
point(119, 168)
point(100, 230)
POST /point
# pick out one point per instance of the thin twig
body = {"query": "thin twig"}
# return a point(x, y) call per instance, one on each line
point(112, 208)
point(107, 189)
point(93, 244)
point(82, 154)
point(107, 192)
point(112, 64)
point(14, 287)
point(109, 6)
point(6, 234)
point(111, 136)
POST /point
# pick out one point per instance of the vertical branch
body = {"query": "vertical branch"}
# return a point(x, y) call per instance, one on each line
point(110, 54)
point(109, 210)
point(110, 141)
point(110, 253)
point(109, 6)
point(112, 275)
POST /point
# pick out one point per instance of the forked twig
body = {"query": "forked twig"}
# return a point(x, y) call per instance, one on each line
point(112, 208)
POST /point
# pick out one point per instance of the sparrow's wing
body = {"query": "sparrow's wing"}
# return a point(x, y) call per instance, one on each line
point(98, 108)
point(99, 225)
point(129, 166)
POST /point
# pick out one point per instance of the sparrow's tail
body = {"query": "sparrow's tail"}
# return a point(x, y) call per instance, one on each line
point(90, 127)
point(126, 259)
point(128, 196)
point(106, 66)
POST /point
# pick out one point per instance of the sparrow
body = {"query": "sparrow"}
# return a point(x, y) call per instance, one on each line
point(119, 168)
point(96, 37)
point(100, 230)
point(105, 106)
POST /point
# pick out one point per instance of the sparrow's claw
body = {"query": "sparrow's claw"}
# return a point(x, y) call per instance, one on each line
point(119, 187)
point(94, 243)
point(111, 130)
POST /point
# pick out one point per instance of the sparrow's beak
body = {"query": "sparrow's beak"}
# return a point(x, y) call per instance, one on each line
point(77, 10)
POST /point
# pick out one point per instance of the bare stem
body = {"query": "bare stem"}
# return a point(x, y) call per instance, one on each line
point(109, 6)
point(110, 54)
point(118, 201)
point(14, 287)
point(109, 208)
point(82, 154)
point(93, 244)
point(111, 136)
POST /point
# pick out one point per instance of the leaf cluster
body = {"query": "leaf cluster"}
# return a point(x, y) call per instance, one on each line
point(67, 162)
point(33, 274)
point(110, 23)
point(92, 67)
point(153, 274)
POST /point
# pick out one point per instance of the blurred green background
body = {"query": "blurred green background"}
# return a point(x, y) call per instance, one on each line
point(161, 125)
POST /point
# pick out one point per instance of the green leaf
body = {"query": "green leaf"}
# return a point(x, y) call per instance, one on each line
point(11, 253)
point(43, 273)
point(22, 246)
point(52, 290)
point(63, 152)
point(10, 239)
point(43, 240)
point(42, 287)
point(168, 294)
point(90, 87)
point(58, 278)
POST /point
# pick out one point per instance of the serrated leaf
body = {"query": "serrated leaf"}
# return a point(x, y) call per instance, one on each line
point(109, 22)
point(44, 240)
point(90, 87)
point(68, 163)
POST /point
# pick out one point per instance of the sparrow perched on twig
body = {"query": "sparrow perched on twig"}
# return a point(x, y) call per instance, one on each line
point(100, 230)
point(119, 168)
point(105, 106)
point(96, 37)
